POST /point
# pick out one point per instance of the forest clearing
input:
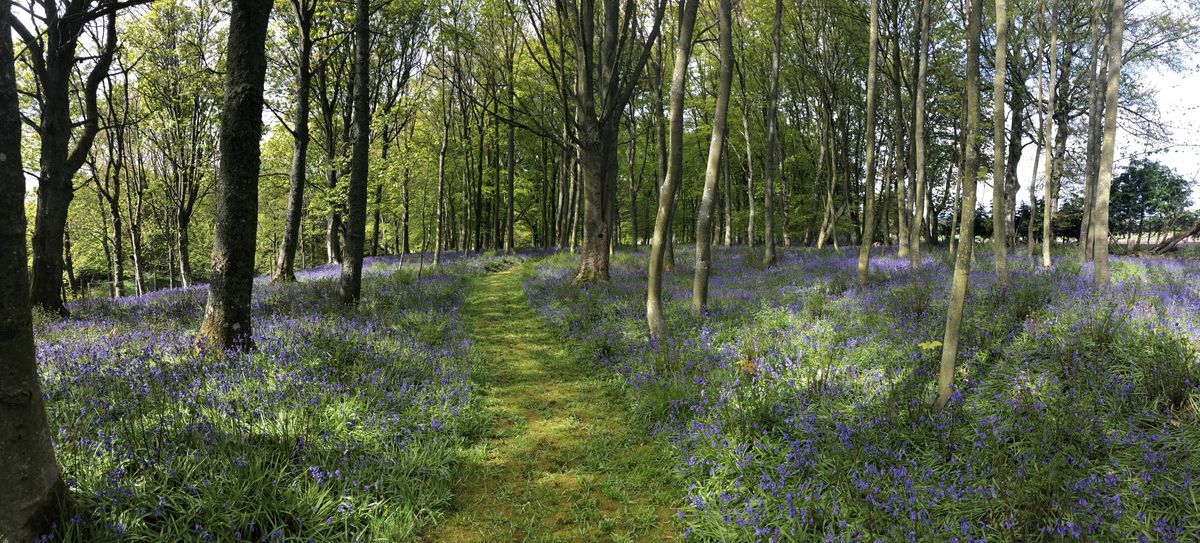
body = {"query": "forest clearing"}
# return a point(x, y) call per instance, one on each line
point(592, 270)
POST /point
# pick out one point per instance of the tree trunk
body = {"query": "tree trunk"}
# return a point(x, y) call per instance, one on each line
point(350, 283)
point(58, 160)
point(769, 258)
point(1096, 77)
point(666, 196)
point(868, 227)
point(919, 189)
point(962, 260)
point(1099, 233)
point(712, 170)
point(31, 488)
point(999, 239)
point(226, 322)
point(1048, 128)
point(285, 266)
point(183, 223)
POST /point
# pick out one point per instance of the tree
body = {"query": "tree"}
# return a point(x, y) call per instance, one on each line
point(666, 195)
point(1048, 129)
point(604, 81)
point(226, 322)
point(999, 198)
point(176, 79)
point(31, 489)
point(715, 146)
point(65, 141)
point(772, 135)
point(868, 232)
point(914, 250)
point(1099, 218)
point(350, 285)
point(285, 267)
point(962, 260)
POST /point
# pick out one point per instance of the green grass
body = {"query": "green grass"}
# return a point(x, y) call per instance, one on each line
point(562, 461)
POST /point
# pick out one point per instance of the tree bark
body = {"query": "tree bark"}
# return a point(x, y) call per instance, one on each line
point(712, 170)
point(285, 266)
point(350, 284)
point(914, 250)
point(999, 239)
point(55, 57)
point(666, 196)
point(868, 226)
point(31, 488)
point(1099, 231)
point(769, 257)
point(1048, 129)
point(226, 322)
point(962, 260)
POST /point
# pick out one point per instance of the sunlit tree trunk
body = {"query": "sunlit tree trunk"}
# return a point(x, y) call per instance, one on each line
point(962, 260)
point(999, 239)
point(666, 196)
point(1099, 231)
point(1048, 132)
point(712, 170)
point(226, 322)
point(914, 250)
point(868, 225)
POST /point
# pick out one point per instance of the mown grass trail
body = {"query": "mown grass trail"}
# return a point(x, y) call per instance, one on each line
point(562, 461)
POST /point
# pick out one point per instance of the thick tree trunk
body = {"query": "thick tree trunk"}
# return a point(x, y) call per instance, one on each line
point(285, 266)
point(1099, 230)
point(712, 170)
point(350, 283)
point(59, 161)
point(868, 235)
point(769, 258)
point(31, 488)
point(666, 197)
point(999, 239)
point(962, 260)
point(226, 322)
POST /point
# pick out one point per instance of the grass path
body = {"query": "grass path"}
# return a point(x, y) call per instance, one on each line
point(562, 460)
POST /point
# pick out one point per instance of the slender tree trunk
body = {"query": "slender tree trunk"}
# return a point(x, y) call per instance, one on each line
point(226, 322)
point(285, 265)
point(666, 197)
point(900, 148)
point(712, 170)
point(864, 249)
point(769, 258)
point(1048, 128)
point(441, 188)
point(183, 237)
point(962, 260)
point(1096, 78)
point(1099, 233)
point(31, 488)
point(999, 239)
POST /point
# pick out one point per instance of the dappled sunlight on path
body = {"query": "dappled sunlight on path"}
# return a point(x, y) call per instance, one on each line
point(562, 461)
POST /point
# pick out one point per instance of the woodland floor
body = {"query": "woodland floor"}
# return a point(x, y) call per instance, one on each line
point(562, 460)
